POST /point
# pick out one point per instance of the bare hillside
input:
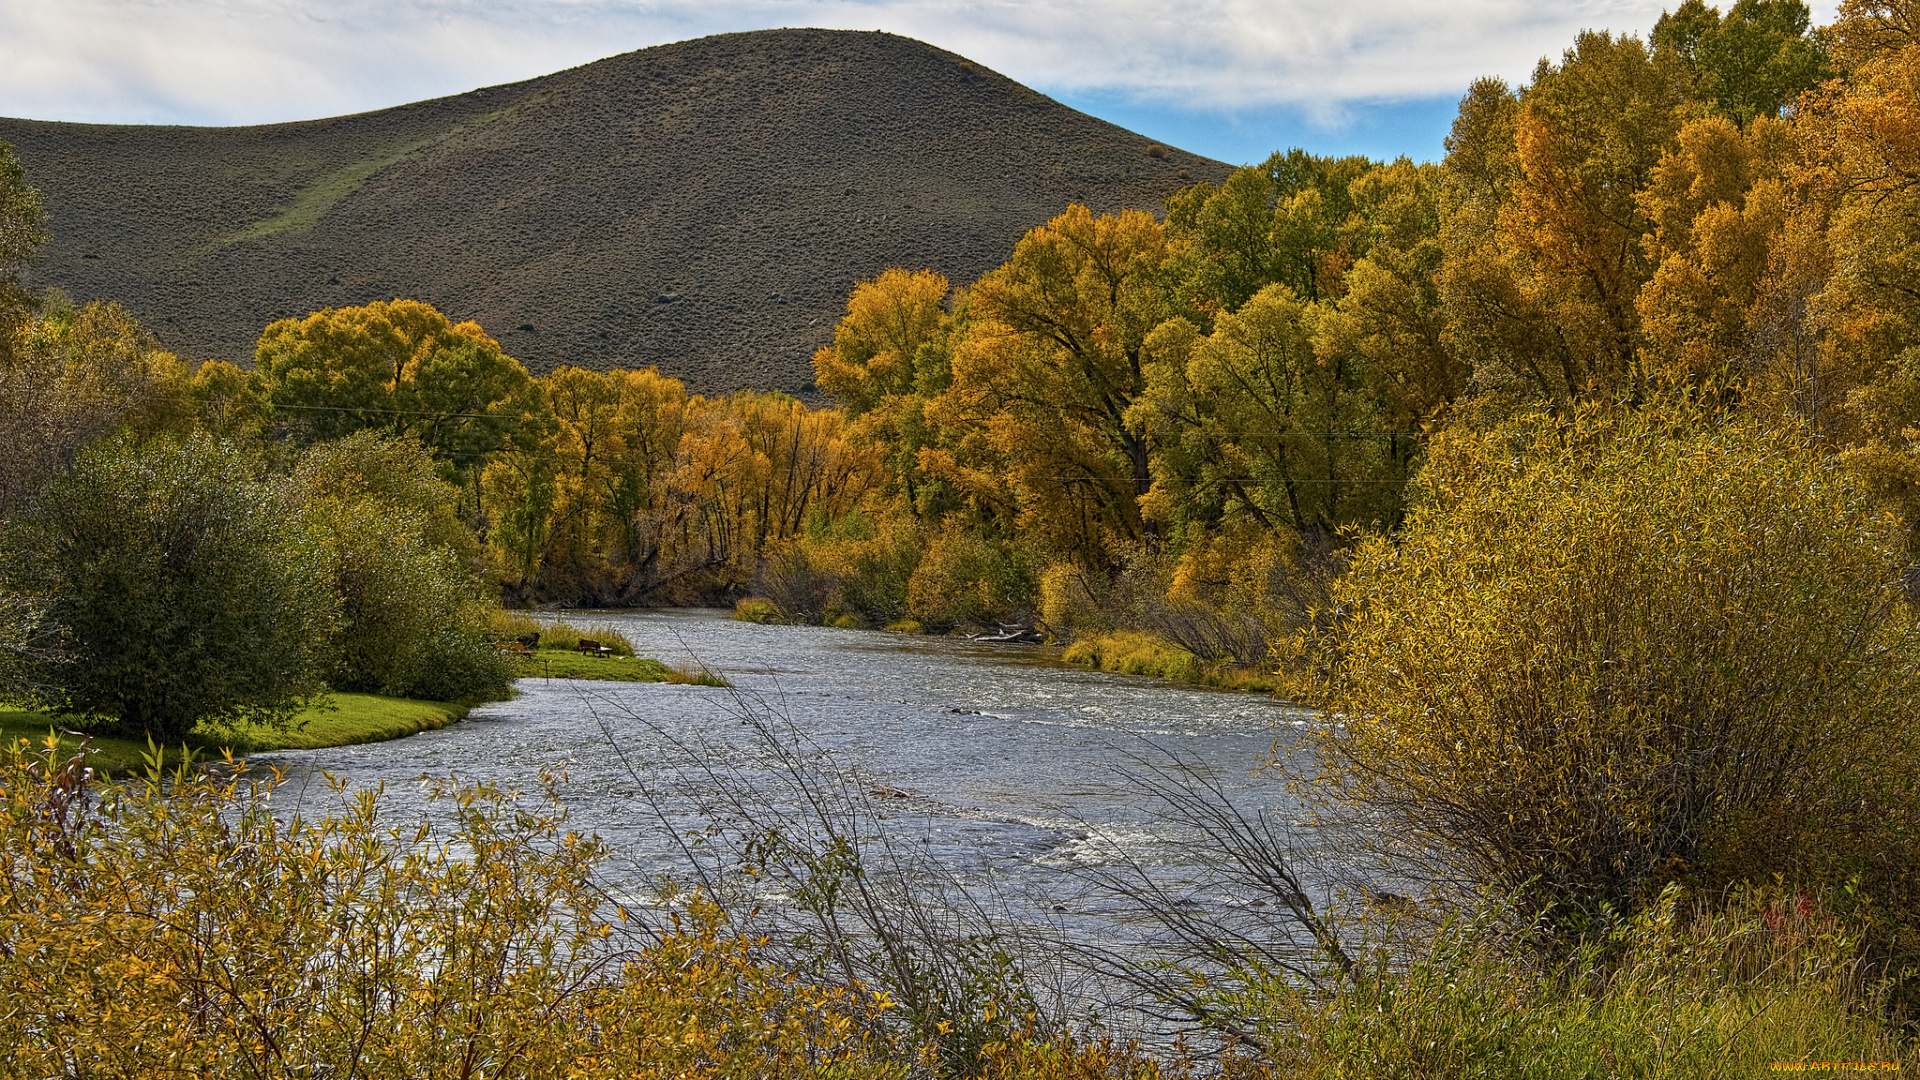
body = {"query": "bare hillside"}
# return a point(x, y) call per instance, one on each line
point(703, 206)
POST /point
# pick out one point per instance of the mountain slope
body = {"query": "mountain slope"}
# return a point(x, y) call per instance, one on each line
point(703, 206)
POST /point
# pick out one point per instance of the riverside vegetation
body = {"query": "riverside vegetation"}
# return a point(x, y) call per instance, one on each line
point(1572, 478)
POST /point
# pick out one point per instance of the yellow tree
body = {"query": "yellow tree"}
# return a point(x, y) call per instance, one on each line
point(398, 366)
point(1717, 203)
point(891, 351)
point(1546, 262)
point(1862, 139)
point(1052, 360)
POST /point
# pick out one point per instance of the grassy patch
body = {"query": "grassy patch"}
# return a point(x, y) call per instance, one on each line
point(341, 720)
point(755, 609)
point(546, 663)
point(1136, 652)
point(557, 634)
point(312, 203)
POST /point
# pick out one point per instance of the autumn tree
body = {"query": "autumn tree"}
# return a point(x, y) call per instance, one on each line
point(400, 367)
point(1716, 203)
point(1287, 222)
point(1862, 177)
point(1053, 358)
point(1546, 255)
point(73, 375)
point(891, 352)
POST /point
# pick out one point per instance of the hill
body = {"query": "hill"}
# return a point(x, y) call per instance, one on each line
point(704, 206)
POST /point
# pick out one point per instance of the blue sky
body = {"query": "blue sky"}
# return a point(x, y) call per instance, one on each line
point(1233, 79)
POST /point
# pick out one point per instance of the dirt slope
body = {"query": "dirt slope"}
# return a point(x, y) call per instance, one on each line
point(703, 206)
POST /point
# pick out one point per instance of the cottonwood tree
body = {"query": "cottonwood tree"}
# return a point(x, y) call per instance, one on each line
point(400, 367)
point(1053, 358)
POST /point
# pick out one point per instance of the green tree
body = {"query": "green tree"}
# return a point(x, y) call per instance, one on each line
point(187, 592)
point(1751, 63)
point(405, 567)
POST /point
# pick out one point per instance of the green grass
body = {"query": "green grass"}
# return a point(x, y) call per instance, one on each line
point(339, 721)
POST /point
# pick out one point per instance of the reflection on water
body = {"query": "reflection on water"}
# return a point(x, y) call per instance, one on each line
point(1003, 760)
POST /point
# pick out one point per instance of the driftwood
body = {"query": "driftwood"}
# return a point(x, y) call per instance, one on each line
point(1014, 635)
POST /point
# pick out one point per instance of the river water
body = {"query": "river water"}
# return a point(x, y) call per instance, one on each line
point(999, 763)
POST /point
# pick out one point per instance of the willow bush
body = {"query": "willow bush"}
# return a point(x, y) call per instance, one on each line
point(1613, 650)
point(181, 927)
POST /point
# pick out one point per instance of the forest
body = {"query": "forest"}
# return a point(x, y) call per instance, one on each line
point(1577, 475)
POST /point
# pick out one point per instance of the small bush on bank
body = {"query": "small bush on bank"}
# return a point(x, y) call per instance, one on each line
point(756, 609)
point(1133, 652)
point(964, 579)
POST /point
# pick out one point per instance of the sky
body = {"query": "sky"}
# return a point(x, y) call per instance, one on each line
point(1231, 79)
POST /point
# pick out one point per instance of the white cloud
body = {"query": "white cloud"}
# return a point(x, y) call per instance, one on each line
point(251, 61)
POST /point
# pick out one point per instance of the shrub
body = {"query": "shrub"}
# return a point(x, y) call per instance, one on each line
point(178, 927)
point(403, 565)
point(870, 561)
point(801, 590)
point(966, 579)
point(458, 664)
point(1692, 992)
point(1611, 651)
point(184, 591)
point(757, 609)
point(1133, 652)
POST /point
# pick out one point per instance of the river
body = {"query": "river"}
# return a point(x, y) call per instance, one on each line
point(999, 763)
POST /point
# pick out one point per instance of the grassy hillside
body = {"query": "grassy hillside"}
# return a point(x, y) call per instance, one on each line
point(703, 206)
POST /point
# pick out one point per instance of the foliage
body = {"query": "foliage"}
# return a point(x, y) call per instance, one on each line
point(1131, 652)
point(1053, 357)
point(72, 375)
point(186, 591)
point(413, 608)
point(1681, 990)
point(1613, 651)
point(400, 367)
point(1546, 254)
point(1749, 64)
point(757, 609)
point(182, 928)
point(963, 579)
point(22, 231)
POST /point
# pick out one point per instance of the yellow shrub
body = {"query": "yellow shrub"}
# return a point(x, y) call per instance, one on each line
point(178, 927)
point(1615, 650)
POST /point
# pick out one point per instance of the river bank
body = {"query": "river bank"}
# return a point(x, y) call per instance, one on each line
point(338, 720)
